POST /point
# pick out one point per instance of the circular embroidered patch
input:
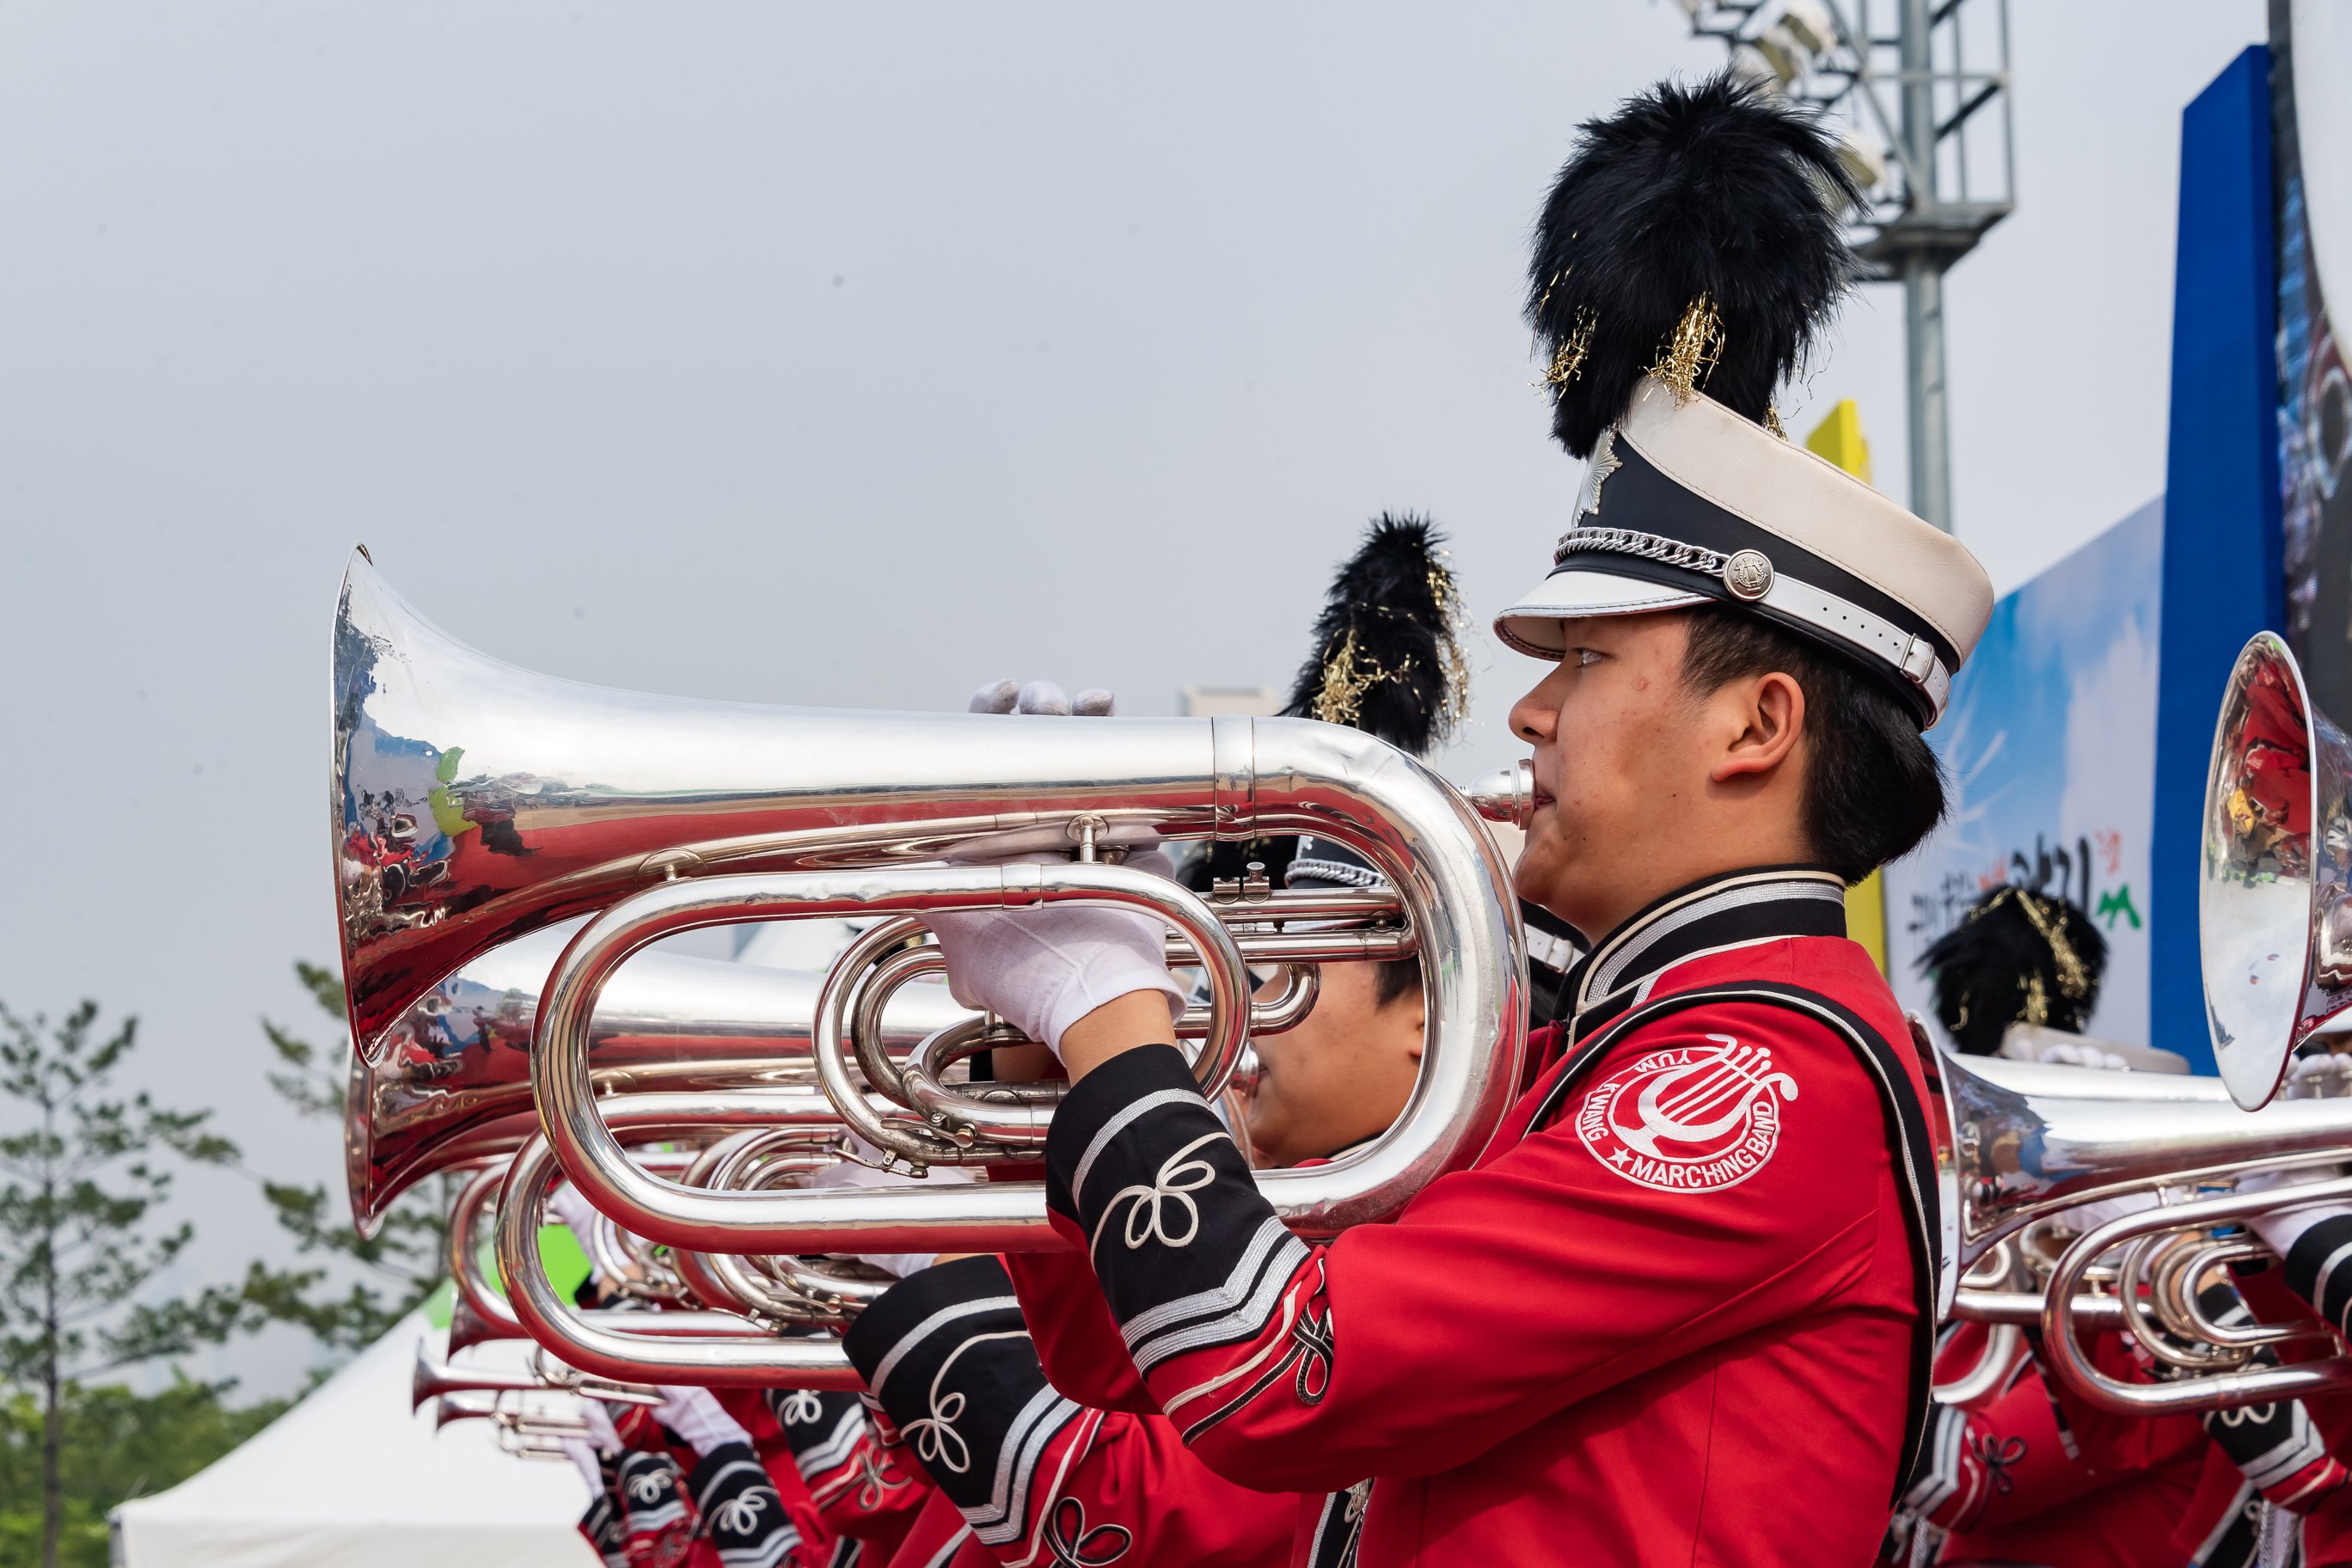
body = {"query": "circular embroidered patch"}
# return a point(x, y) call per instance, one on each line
point(1691, 1120)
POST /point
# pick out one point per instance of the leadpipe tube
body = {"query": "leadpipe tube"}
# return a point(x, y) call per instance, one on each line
point(670, 1325)
point(2221, 1391)
point(1373, 945)
point(430, 1380)
point(752, 1360)
point(2022, 1307)
point(706, 1221)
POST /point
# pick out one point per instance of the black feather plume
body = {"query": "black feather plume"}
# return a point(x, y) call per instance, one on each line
point(2017, 957)
point(1387, 652)
point(1721, 192)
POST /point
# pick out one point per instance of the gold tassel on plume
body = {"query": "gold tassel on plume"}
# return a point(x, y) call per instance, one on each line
point(2072, 978)
point(1451, 659)
point(1697, 345)
point(1570, 357)
point(1389, 655)
point(2037, 1001)
point(1346, 678)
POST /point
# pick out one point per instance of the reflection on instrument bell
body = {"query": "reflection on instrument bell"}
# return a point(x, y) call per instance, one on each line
point(2275, 932)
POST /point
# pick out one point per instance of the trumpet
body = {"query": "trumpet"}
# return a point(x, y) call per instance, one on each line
point(432, 1380)
point(549, 801)
point(527, 1432)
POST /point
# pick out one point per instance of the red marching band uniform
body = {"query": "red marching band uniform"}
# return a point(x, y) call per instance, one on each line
point(1647, 1310)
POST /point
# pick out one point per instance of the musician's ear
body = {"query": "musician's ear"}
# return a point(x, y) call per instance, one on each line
point(1764, 717)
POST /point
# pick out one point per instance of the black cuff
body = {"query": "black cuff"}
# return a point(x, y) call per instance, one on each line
point(1188, 1252)
point(947, 1354)
point(2319, 1267)
point(602, 1525)
point(740, 1507)
point(649, 1491)
point(1146, 1072)
point(823, 1429)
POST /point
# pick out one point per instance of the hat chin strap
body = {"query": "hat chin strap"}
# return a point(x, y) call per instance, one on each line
point(1914, 657)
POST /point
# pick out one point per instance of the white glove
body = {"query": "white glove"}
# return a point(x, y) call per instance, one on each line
point(2085, 1055)
point(582, 1453)
point(850, 1173)
point(1042, 968)
point(2091, 1216)
point(1040, 697)
point(600, 1426)
point(695, 1415)
point(2280, 1232)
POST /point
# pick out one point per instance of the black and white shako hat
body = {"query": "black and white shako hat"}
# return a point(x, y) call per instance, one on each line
point(1687, 256)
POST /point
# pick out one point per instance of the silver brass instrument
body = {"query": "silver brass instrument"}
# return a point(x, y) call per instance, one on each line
point(2275, 944)
point(451, 1082)
point(748, 1357)
point(527, 1428)
point(2275, 933)
point(473, 803)
point(2035, 1142)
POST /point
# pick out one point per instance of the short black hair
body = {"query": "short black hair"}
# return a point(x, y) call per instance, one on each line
point(1872, 787)
point(1393, 979)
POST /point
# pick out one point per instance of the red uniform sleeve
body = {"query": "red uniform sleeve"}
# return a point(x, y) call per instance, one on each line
point(1077, 1340)
point(1040, 1479)
point(854, 1487)
point(1993, 1468)
point(1689, 1191)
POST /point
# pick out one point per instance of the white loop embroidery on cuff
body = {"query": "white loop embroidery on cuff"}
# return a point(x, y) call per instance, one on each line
point(740, 1515)
point(1179, 1178)
point(931, 1434)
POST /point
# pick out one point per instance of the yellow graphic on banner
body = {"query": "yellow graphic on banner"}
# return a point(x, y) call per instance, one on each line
point(1840, 439)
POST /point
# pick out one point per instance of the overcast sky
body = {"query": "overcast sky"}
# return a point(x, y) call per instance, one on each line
point(843, 355)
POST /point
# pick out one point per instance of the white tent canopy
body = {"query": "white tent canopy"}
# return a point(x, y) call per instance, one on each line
point(349, 1477)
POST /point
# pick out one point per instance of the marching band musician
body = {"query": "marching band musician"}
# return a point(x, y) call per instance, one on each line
point(958, 1354)
point(2040, 1475)
point(994, 1365)
point(1693, 1275)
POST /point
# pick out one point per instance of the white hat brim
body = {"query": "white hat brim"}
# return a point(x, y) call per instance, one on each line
point(1532, 624)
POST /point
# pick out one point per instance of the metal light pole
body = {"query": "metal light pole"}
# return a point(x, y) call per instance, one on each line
point(1921, 211)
